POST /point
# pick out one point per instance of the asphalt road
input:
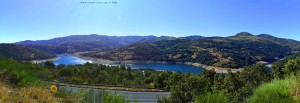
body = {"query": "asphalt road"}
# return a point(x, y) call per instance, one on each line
point(140, 97)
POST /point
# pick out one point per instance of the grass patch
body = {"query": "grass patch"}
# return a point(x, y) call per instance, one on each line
point(22, 73)
point(278, 91)
point(212, 97)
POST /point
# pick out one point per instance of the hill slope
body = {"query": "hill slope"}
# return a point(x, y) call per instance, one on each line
point(81, 43)
point(23, 53)
point(236, 51)
point(286, 42)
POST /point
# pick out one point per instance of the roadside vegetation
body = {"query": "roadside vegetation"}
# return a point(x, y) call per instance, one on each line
point(24, 82)
point(255, 84)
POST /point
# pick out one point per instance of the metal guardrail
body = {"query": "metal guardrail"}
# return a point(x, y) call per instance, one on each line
point(109, 87)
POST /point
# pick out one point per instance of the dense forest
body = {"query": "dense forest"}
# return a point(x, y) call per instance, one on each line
point(243, 49)
point(254, 84)
point(18, 52)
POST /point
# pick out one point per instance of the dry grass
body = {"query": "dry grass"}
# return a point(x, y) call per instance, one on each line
point(177, 56)
point(38, 94)
point(4, 91)
point(25, 95)
point(194, 56)
point(221, 59)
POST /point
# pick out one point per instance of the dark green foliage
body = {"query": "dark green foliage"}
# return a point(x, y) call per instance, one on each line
point(236, 86)
point(113, 75)
point(240, 86)
point(277, 71)
point(212, 97)
point(285, 66)
point(286, 42)
point(184, 87)
point(275, 92)
point(49, 64)
point(245, 50)
point(237, 51)
point(18, 52)
point(113, 98)
point(205, 87)
point(22, 73)
point(65, 72)
point(255, 75)
point(292, 67)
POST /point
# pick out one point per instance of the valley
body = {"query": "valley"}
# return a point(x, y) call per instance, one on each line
point(218, 53)
point(149, 51)
point(152, 63)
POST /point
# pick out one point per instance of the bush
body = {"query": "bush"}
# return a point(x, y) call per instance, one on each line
point(278, 91)
point(103, 97)
point(69, 96)
point(212, 97)
point(19, 73)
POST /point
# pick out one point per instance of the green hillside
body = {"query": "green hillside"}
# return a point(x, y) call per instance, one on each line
point(236, 51)
point(18, 52)
point(286, 42)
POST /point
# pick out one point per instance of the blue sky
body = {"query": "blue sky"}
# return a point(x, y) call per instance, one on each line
point(46, 19)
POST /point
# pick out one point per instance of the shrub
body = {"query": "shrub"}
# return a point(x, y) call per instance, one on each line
point(278, 91)
point(103, 97)
point(212, 97)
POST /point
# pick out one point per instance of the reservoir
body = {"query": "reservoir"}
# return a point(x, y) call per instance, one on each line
point(169, 67)
point(72, 60)
point(69, 60)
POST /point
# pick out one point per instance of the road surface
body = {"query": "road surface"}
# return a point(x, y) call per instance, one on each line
point(140, 97)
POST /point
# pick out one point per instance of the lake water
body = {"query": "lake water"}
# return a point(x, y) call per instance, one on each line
point(72, 60)
point(169, 67)
point(69, 60)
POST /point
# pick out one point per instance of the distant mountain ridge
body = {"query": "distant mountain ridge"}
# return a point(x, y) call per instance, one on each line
point(18, 52)
point(193, 37)
point(93, 42)
point(82, 43)
point(235, 51)
point(286, 42)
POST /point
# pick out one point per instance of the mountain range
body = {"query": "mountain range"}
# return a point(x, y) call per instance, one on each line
point(235, 51)
point(82, 43)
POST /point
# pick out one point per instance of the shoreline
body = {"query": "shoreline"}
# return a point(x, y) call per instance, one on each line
point(217, 69)
point(44, 60)
point(105, 61)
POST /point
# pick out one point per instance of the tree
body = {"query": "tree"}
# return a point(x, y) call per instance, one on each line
point(49, 64)
point(212, 97)
point(292, 66)
point(255, 75)
point(277, 71)
point(180, 94)
point(65, 72)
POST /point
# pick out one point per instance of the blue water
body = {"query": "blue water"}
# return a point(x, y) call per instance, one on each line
point(69, 60)
point(169, 67)
point(72, 60)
